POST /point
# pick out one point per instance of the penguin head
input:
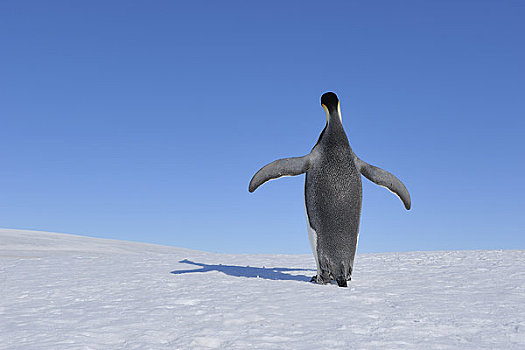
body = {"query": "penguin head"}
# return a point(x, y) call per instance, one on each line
point(331, 106)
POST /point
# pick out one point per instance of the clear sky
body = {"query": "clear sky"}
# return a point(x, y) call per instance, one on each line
point(145, 120)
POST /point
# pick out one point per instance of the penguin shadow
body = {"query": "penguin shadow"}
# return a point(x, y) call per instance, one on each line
point(271, 273)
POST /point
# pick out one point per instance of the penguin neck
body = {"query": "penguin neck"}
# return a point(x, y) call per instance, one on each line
point(333, 133)
point(334, 123)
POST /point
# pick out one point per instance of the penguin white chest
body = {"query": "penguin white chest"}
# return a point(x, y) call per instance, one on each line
point(312, 237)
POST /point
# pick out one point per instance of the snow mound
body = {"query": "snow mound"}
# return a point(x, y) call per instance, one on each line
point(71, 292)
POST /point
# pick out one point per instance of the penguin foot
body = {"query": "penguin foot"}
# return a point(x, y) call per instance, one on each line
point(315, 279)
point(341, 282)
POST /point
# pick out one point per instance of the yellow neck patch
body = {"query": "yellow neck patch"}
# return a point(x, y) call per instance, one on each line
point(328, 113)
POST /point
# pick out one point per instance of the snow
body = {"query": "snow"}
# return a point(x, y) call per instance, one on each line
point(70, 292)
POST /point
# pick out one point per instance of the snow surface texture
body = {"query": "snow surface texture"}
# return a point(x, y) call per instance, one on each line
point(71, 292)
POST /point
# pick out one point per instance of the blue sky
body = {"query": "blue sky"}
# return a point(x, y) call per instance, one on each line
point(145, 121)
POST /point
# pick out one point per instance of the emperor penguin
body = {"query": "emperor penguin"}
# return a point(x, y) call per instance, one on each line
point(332, 194)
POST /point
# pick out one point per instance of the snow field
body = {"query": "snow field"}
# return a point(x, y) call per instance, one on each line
point(71, 292)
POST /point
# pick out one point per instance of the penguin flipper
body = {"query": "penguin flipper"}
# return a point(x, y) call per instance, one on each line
point(282, 167)
point(384, 179)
